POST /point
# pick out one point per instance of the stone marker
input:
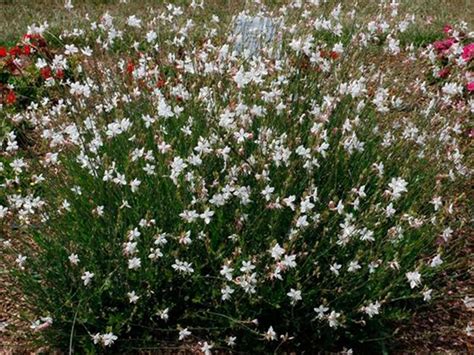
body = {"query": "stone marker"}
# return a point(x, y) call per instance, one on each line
point(254, 33)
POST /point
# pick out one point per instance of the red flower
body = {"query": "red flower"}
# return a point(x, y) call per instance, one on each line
point(32, 36)
point(11, 97)
point(130, 67)
point(470, 86)
point(443, 73)
point(59, 73)
point(3, 52)
point(160, 83)
point(27, 50)
point(443, 45)
point(334, 55)
point(45, 72)
point(15, 51)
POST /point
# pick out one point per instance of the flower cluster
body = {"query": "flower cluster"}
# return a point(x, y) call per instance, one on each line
point(454, 57)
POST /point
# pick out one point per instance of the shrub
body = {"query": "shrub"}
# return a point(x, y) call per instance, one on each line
point(196, 195)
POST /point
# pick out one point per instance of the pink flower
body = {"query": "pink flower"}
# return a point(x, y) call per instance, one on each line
point(447, 29)
point(470, 86)
point(443, 45)
point(468, 52)
point(42, 326)
point(443, 73)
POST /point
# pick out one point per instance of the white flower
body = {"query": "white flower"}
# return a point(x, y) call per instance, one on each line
point(390, 211)
point(267, 192)
point(437, 203)
point(73, 259)
point(206, 348)
point(333, 319)
point(414, 278)
point(469, 329)
point(230, 341)
point(302, 222)
point(87, 51)
point(151, 36)
point(226, 293)
point(163, 314)
point(3, 211)
point(397, 186)
point(427, 295)
point(183, 267)
point(96, 338)
point(277, 251)
point(338, 48)
point(189, 216)
point(108, 339)
point(366, 234)
point(20, 260)
point(134, 263)
point(393, 45)
point(41, 63)
point(68, 5)
point(270, 334)
point(436, 261)
point(206, 215)
point(130, 248)
point(3, 326)
point(87, 277)
point(134, 184)
point(320, 311)
point(134, 21)
point(289, 261)
point(132, 296)
point(226, 272)
point(372, 309)
point(451, 89)
point(295, 296)
point(184, 333)
point(335, 268)
point(447, 233)
point(353, 266)
point(289, 202)
point(469, 302)
point(247, 266)
point(70, 49)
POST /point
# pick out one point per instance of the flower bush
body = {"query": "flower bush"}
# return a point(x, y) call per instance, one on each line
point(447, 55)
point(186, 193)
